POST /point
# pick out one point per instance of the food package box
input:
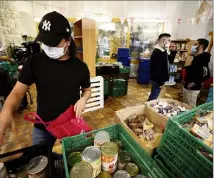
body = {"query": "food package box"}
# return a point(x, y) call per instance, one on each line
point(164, 118)
point(152, 116)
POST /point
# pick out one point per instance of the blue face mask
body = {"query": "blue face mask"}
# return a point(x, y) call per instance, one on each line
point(194, 49)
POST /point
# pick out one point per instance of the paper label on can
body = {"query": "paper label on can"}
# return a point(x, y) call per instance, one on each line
point(96, 165)
point(109, 163)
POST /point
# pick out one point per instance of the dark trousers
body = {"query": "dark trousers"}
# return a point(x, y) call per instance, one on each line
point(155, 91)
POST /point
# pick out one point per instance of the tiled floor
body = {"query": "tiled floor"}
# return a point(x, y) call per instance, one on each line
point(137, 94)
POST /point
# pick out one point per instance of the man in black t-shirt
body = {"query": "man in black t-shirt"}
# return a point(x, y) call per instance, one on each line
point(58, 76)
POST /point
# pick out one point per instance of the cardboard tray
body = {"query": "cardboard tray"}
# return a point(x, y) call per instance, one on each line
point(123, 114)
point(164, 118)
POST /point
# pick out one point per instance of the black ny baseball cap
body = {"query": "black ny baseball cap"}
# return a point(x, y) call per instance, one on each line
point(53, 28)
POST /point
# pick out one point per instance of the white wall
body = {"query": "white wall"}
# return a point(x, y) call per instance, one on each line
point(168, 10)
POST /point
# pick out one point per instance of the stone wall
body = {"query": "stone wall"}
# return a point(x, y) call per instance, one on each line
point(9, 24)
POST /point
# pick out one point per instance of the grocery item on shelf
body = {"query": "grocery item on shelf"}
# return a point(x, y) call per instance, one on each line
point(124, 157)
point(74, 158)
point(110, 156)
point(132, 169)
point(37, 167)
point(92, 155)
point(182, 150)
point(144, 125)
point(100, 138)
point(109, 152)
point(201, 126)
point(121, 174)
point(81, 170)
point(104, 174)
point(168, 109)
point(119, 144)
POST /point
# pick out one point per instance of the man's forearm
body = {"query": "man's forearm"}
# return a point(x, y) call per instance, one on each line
point(12, 103)
point(86, 95)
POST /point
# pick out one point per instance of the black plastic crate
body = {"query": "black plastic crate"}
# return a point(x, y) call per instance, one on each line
point(14, 165)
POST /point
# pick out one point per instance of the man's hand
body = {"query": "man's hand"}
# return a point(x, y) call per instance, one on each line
point(4, 124)
point(190, 85)
point(10, 107)
point(79, 107)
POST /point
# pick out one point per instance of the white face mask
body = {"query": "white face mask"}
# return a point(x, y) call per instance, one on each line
point(53, 52)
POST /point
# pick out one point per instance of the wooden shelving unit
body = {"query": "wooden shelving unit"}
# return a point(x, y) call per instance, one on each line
point(85, 40)
point(184, 49)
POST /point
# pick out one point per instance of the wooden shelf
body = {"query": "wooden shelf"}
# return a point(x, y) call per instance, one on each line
point(78, 28)
point(85, 40)
point(77, 37)
point(78, 42)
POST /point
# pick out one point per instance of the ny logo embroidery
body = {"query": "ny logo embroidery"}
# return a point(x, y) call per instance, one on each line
point(46, 25)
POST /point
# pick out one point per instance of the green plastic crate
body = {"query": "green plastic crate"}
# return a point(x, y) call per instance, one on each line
point(167, 170)
point(146, 164)
point(125, 70)
point(106, 84)
point(180, 149)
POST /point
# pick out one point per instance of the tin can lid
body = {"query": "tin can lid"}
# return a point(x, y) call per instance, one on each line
point(132, 169)
point(121, 174)
point(124, 156)
point(81, 170)
point(37, 164)
point(91, 154)
point(109, 148)
point(104, 174)
point(102, 136)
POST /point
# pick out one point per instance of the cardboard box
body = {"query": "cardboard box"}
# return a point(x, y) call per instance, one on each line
point(164, 119)
point(123, 114)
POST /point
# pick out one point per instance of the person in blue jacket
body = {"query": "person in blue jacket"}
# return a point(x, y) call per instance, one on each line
point(159, 66)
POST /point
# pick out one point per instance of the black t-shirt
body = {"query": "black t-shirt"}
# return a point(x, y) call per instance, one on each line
point(58, 83)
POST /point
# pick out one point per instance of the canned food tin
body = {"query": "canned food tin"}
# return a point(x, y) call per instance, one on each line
point(74, 158)
point(109, 152)
point(3, 171)
point(140, 176)
point(100, 138)
point(104, 174)
point(92, 155)
point(81, 170)
point(37, 167)
point(124, 157)
point(132, 169)
point(121, 174)
point(119, 143)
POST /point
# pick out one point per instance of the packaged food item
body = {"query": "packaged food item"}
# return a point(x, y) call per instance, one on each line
point(104, 174)
point(168, 109)
point(3, 171)
point(92, 155)
point(81, 170)
point(141, 126)
point(201, 126)
point(37, 167)
point(100, 138)
point(121, 174)
point(109, 152)
point(74, 158)
point(124, 157)
point(132, 169)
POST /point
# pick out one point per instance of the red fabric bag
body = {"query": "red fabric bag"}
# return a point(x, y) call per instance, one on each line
point(63, 126)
